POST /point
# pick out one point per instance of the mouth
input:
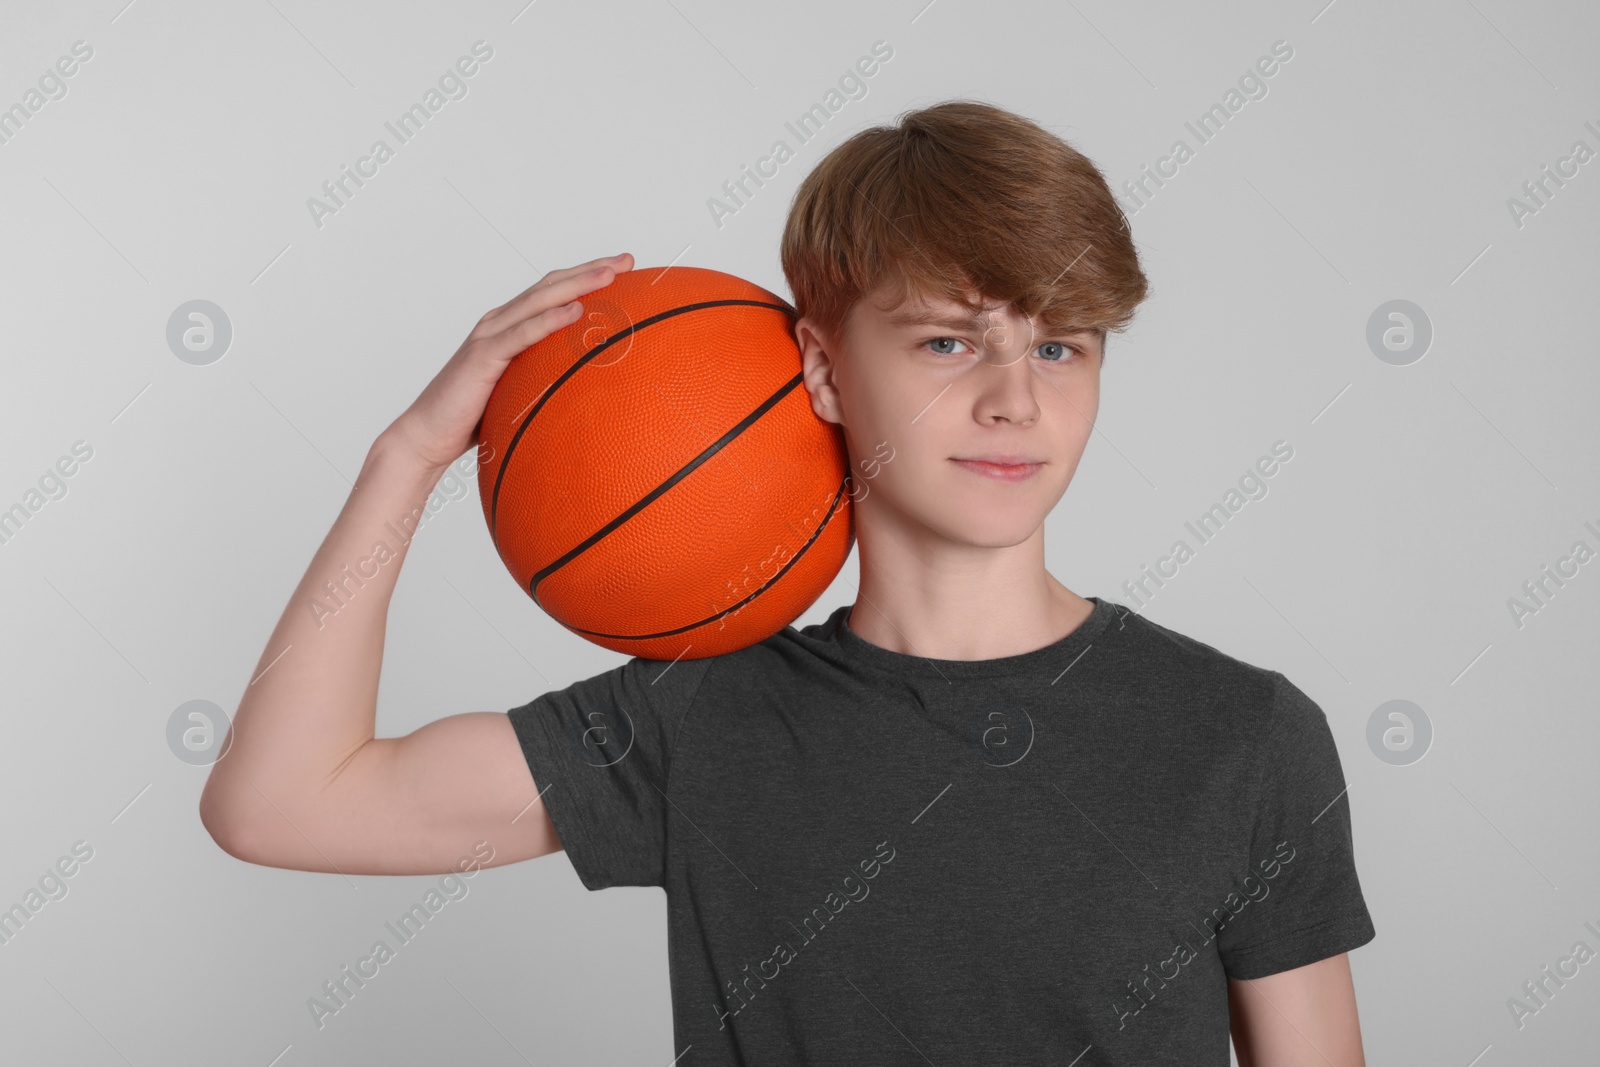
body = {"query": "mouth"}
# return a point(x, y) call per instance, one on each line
point(1002, 468)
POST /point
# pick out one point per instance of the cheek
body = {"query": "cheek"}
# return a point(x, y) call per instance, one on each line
point(868, 405)
point(1079, 403)
point(886, 423)
point(896, 458)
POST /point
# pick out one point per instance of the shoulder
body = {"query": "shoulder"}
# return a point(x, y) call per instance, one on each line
point(1174, 664)
point(1257, 723)
point(1173, 657)
point(795, 647)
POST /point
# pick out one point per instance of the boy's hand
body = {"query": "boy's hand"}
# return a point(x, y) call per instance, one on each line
point(443, 422)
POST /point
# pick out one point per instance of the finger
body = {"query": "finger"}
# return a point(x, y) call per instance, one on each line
point(520, 334)
point(544, 299)
point(604, 261)
point(524, 334)
point(519, 305)
point(619, 263)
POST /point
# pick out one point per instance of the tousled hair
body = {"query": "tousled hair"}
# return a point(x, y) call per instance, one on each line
point(956, 199)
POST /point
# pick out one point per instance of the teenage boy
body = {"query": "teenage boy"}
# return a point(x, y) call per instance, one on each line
point(971, 818)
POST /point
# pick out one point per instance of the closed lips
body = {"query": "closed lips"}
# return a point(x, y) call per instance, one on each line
point(1000, 461)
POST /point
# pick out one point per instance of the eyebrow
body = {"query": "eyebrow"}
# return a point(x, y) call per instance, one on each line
point(954, 320)
point(957, 321)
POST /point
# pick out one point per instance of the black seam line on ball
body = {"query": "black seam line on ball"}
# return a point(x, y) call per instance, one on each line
point(764, 587)
point(682, 473)
point(511, 446)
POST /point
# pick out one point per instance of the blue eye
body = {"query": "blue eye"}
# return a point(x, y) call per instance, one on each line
point(1052, 351)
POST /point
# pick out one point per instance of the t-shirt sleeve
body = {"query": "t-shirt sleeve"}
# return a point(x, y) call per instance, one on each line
point(1304, 899)
point(600, 751)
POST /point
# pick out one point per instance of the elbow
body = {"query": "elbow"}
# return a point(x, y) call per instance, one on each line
point(219, 830)
point(223, 827)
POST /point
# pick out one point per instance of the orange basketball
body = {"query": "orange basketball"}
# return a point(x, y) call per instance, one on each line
point(653, 474)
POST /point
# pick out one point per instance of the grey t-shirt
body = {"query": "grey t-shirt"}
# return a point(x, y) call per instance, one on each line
point(873, 857)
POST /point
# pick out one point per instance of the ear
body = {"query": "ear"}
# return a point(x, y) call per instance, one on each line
point(818, 363)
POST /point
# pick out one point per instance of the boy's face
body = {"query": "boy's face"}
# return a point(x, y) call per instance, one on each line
point(922, 388)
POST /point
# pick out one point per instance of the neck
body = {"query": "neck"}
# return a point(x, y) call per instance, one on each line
point(924, 595)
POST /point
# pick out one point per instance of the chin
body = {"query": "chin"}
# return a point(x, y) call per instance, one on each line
point(958, 511)
point(970, 525)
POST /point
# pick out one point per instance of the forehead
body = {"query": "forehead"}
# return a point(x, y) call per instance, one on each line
point(921, 311)
point(941, 312)
point(926, 309)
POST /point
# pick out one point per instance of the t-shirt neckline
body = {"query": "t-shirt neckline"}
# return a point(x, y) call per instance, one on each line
point(1062, 651)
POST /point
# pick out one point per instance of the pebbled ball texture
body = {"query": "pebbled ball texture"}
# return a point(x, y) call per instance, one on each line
point(653, 475)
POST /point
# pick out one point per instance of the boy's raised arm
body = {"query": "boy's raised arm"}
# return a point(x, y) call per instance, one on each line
point(305, 783)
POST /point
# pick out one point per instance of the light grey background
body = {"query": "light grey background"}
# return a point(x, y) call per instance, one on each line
point(1379, 566)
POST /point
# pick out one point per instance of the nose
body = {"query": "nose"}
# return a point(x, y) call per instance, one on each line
point(1006, 389)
